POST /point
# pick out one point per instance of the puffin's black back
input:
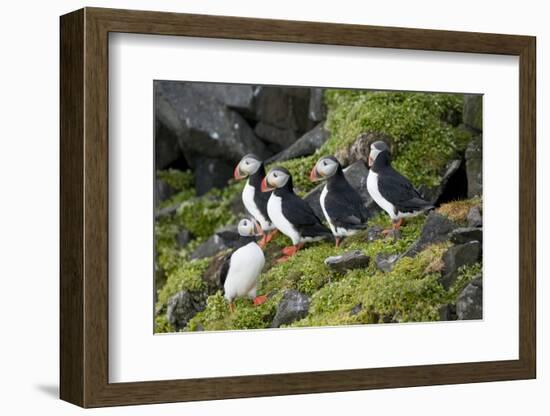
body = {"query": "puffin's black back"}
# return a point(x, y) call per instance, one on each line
point(343, 204)
point(260, 198)
point(396, 188)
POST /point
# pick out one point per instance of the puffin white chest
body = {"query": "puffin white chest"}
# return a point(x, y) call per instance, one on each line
point(323, 207)
point(246, 265)
point(372, 187)
point(275, 212)
point(252, 208)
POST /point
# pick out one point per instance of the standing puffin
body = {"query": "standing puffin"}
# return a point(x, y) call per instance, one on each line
point(390, 190)
point(340, 202)
point(291, 214)
point(241, 268)
point(254, 200)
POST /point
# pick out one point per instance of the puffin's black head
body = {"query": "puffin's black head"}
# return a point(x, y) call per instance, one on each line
point(379, 154)
point(248, 165)
point(325, 168)
point(249, 228)
point(276, 178)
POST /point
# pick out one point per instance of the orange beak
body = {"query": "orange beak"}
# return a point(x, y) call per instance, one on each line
point(237, 173)
point(265, 188)
point(313, 176)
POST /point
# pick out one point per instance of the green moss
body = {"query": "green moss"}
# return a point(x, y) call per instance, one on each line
point(162, 325)
point(424, 143)
point(458, 210)
point(186, 275)
point(181, 182)
point(465, 275)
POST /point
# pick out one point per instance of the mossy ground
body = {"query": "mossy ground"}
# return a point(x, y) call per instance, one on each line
point(424, 143)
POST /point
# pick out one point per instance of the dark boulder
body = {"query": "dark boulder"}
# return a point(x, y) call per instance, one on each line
point(317, 108)
point(183, 306)
point(280, 138)
point(436, 230)
point(447, 312)
point(356, 174)
point(474, 217)
point(474, 166)
point(224, 238)
point(385, 262)
point(283, 107)
point(457, 257)
point(452, 186)
point(304, 146)
point(202, 125)
point(472, 113)
point(167, 150)
point(211, 173)
point(238, 97)
point(348, 261)
point(469, 304)
point(466, 234)
point(183, 237)
point(166, 211)
point(292, 307)
point(163, 191)
point(360, 148)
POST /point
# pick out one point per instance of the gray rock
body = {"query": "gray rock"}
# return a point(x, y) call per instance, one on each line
point(466, 234)
point(356, 174)
point(166, 211)
point(282, 138)
point(360, 148)
point(469, 304)
point(474, 217)
point(304, 146)
point(385, 262)
point(225, 238)
point(456, 257)
point(202, 125)
point(436, 230)
point(317, 108)
point(472, 113)
point(348, 261)
point(183, 306)
point(447, 313)
point(356, 309)
point(167, 150)
point(239, 97)
point(211, 173)
point(292, 307)
point(163, 191)
point(283, 107)
point(474, 166)
point(183, 237)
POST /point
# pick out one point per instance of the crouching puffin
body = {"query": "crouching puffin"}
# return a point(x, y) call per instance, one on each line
point(341, 204)
point(254, 200)
point(291, 214)
point(241, 268)
point(390, 190)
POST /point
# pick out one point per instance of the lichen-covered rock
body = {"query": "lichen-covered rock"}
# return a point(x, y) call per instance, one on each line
point(202, 125)
point(469, 304)
point(457, 257)
point(466, 234)
point(436, 229)
point(348, 261)
point(472, 113)
point(183, 306)
point(317, 108)
point(356, 174)
point(360, 148)
point(385, 262)
point(292, 307)
point(474, 217)
point(306, 145)
point(474, 166)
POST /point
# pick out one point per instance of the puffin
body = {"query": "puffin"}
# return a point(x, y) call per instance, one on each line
point(254, 200)
point(240, 269)
point(340, 202)
point(291, 214)
point(393, 192)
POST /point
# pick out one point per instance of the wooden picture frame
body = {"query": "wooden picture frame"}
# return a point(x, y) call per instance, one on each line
point(84, 207)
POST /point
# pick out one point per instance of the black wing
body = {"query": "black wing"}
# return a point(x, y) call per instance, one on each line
point(224, 269)
point(299, 213)
point(345, 207)
point(400, 192)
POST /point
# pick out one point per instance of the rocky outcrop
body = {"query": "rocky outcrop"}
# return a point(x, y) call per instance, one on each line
point(466, 234)
point(436, 230)
point(163, 191)
point(304, 146)
point(292, 307)
point(474, 166)
point(472, 113)
point(348, 261)
point(224, 238)
point(457, 257)
point(283, 107)
point(211, 173)
point(183, 237)
point(360, 148)
point(182, 306)
point(474, 217)
point(317, 108)
point(469, 304)
point(385, 262)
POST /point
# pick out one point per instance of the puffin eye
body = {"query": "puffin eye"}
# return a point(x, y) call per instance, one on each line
point(274, 175)
point(324, 162)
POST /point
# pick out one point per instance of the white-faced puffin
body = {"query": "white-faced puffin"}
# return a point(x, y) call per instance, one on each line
point(291, 214)
point(241, 268)
point(340, 202)
point(254, 200)
point(391, 190)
